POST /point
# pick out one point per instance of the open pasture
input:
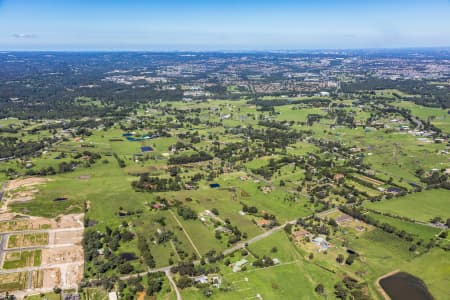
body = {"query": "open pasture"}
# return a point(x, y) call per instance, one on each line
point(422, 206)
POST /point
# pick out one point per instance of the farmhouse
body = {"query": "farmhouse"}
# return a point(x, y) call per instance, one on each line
point(300, 234)
point(112, 296)
point(237, 266)
point(393, 190)
point(321, 243)
point(201, 279)
point(223, 229)
point(71, 297)
point(263, 222)
point(342, 219)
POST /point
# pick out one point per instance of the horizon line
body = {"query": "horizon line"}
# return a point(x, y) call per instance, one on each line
point(250, 50)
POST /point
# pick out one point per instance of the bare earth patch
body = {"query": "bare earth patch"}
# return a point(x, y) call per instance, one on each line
point(21, 190)
point(51, 278)
point(62, 255)
point(67, 237)
point(26, 182)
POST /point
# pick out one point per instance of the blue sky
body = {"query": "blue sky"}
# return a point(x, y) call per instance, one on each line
point(222, 25)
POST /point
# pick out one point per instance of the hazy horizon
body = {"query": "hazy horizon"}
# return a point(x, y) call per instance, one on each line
point(200, 25)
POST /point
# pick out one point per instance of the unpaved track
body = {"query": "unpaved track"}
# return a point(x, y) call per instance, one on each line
point(174, 285)
point(185, 232)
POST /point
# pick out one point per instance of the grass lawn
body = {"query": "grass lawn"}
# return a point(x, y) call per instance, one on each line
point(50, 296)
point(421, 206)
point(285, 250)
point(420, 231)
point(296, 280)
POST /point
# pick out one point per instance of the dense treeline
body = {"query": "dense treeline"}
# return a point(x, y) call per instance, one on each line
point(156, 184)
point(424, 93)
point(193, 158)
point(315, 102)
point(15, 147)
point(145, 252)
point(100, 250)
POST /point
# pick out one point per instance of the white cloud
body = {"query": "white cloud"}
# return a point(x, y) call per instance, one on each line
point(24, 36)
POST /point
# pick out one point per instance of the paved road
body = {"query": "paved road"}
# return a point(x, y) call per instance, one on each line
point(3, 238)
point(30, 280)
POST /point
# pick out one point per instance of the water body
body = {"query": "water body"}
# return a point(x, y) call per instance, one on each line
point(128, 256)
point(404, 286)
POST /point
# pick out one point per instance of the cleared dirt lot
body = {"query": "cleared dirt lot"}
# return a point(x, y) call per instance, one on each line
point(17, 222)
point(51, 278)
point(23, 189)
point(62, 255)
point(71, 275)
point(25, 182)
point(67, 237)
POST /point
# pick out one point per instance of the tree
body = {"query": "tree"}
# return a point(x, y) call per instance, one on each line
point(125, 268)
point(340, 258)
point(184, 282)
point(319, 289)
point(207, 292)
point(350, 259)
point(154, 286)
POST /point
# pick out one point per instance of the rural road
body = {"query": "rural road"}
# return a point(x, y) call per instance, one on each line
point(172, 282)
point(2, 192)
point(256, 238)
point(3, 238)
point(225, 252)
point(419, 124)
point(185, 233)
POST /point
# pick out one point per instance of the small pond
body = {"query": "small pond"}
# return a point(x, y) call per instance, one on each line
point(128, 256)
point(404, 286)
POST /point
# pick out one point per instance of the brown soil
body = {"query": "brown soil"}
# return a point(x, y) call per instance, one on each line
point(62, 255)
point(26, 192)
point(67, 237)
point(26, 182)
point(51, 278)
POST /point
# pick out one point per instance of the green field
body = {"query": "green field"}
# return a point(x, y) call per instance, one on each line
point(21, 259)
point(422, 206)
point(420, 231)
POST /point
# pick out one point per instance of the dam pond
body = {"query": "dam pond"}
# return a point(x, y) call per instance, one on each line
point(404, 286)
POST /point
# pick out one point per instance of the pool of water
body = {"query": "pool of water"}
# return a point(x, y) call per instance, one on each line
point(404, 286)
point(128, 256)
